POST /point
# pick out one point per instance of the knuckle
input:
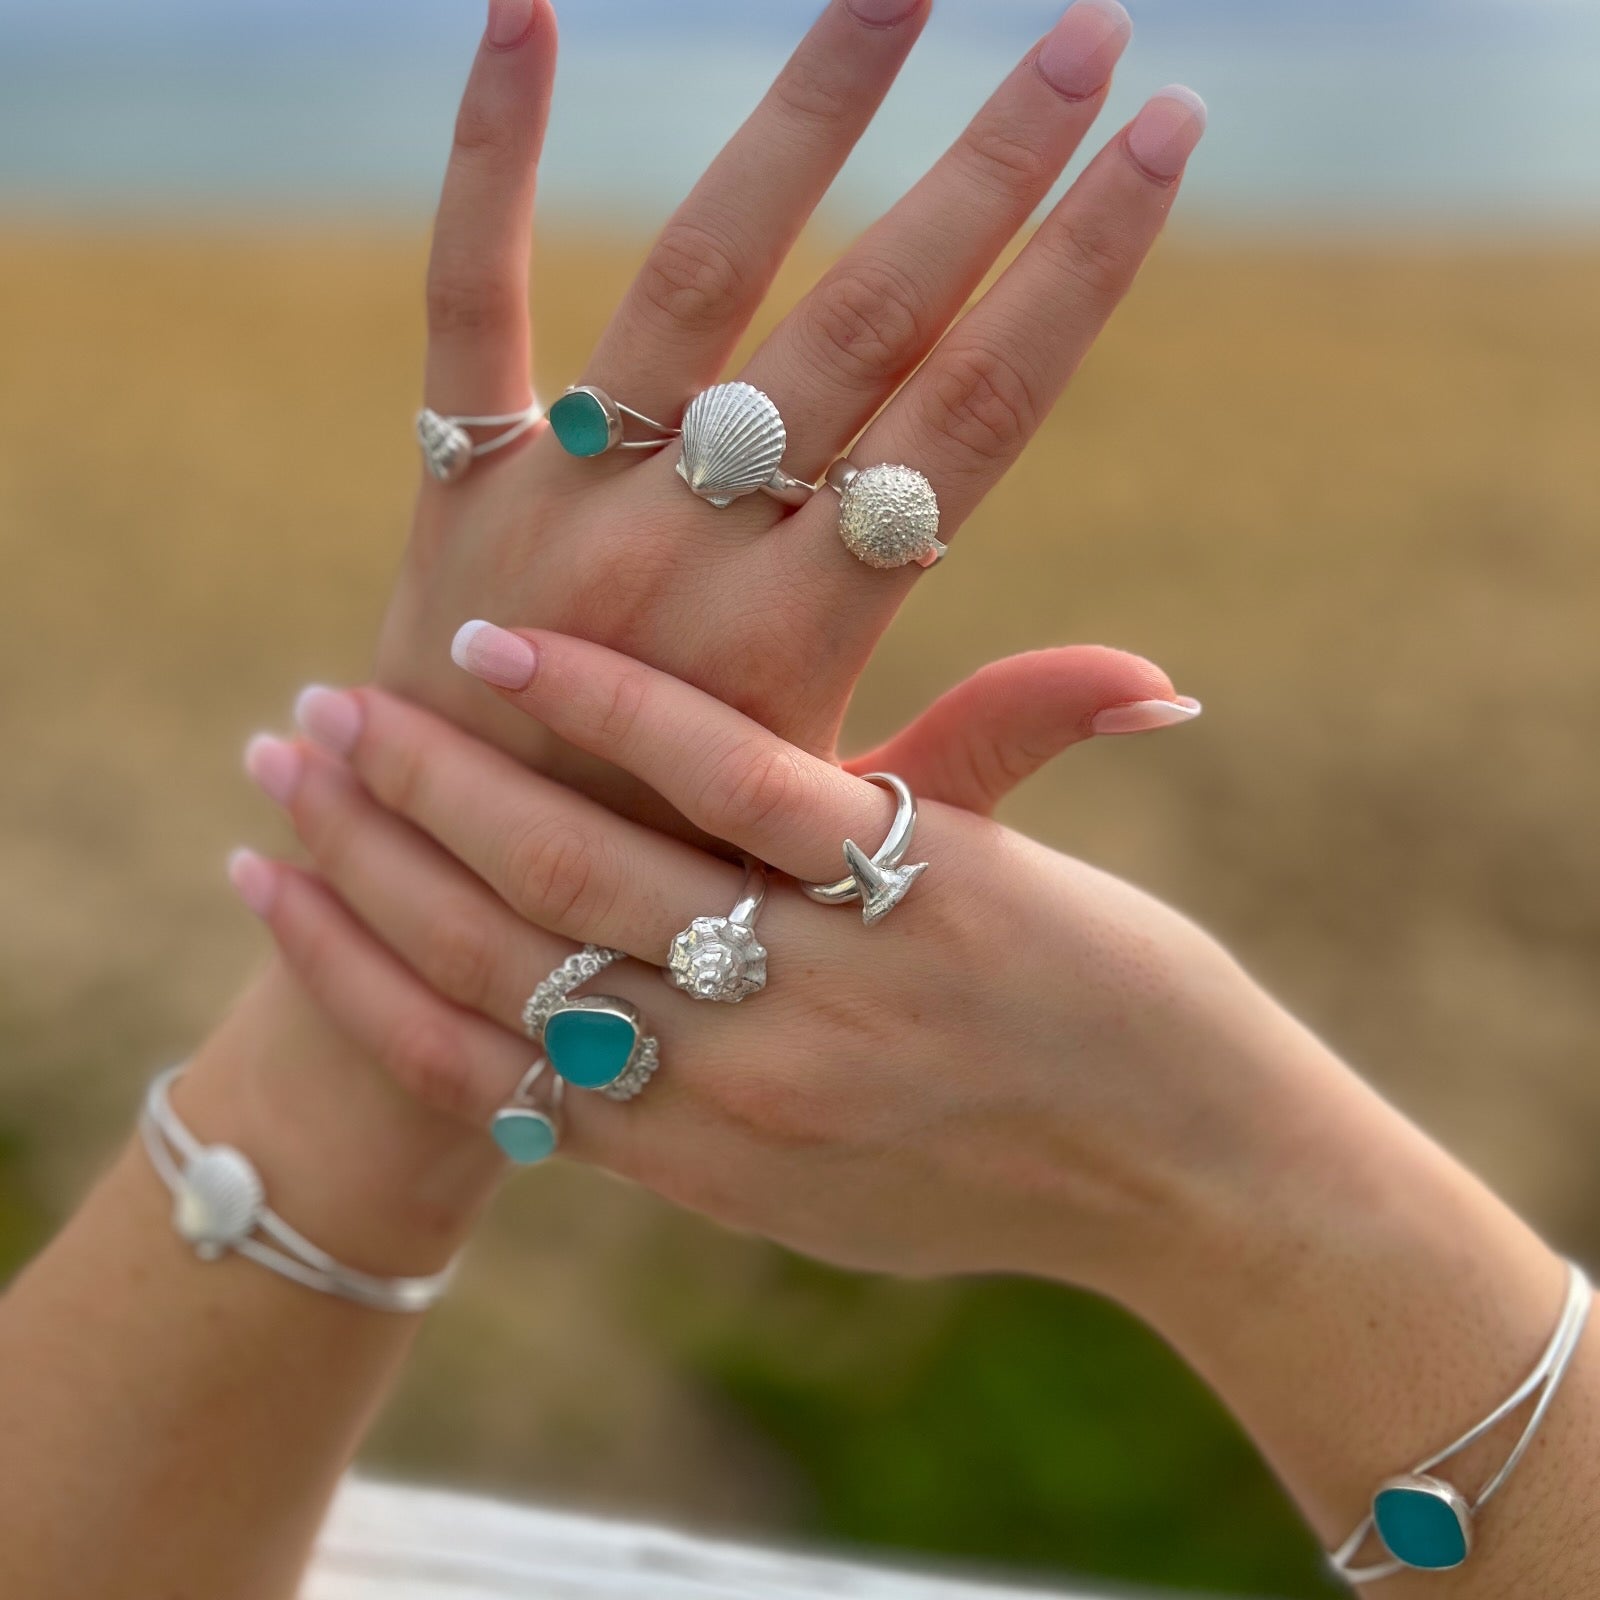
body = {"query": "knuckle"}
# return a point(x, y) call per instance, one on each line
point(982, 403)
point(552, 874)
point(692, 278)
point(620, 708)
point(748, 789)
point(460, 957)
point(866, 316)
point(1098, 259)
point(810, 93)
point(424, 1052)
point(1006, 159)
point(397, 774)
point(463, 300)
point(480, 132)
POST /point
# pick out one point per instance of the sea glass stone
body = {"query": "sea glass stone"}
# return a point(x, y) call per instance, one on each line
point(590, 1049)
point(579, 423)
point(526, 1137)
point(1421, 1526)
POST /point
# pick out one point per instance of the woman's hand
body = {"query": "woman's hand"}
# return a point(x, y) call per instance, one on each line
point(1008, 1073)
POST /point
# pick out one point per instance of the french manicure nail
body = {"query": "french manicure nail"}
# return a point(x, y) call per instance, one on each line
point(1145, 716)
point(493, 654)
point(1163, 136)
point(331, 717)
point(509, 22)
point(1079, 53)
point(274, 765)
point(255, 879)
point(882, 13)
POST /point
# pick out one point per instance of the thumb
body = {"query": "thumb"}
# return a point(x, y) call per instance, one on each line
point(979, 740)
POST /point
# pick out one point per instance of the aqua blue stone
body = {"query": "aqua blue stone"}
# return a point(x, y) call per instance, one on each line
point(1420, 1528)
point(579, 423)
point(527, 1137)
point(589, 1048)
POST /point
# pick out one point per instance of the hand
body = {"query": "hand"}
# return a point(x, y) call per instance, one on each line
point(1008, 1073)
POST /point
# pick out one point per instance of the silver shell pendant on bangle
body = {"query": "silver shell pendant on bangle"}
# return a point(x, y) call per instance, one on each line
point(218, 1202)
point(733, 442)
point(888, 515)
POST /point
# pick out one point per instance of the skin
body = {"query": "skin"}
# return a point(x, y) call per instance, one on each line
point(229, 1401)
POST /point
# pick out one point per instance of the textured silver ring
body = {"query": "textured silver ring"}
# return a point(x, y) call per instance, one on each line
point(594, 1041)
point(720, 958)
point(587, 422)
point(447, 447)
point(878, 881)
point(888, 515)
point(526, 1131)
point(733, 443)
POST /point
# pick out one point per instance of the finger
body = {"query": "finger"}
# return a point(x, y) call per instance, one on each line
point(713, 263)
point(977, 742)
point(850, 342)
point(967, 413)
point(447, 926)
point(478, 332)
point(726, 773)
point(451, 1060)
point(556, 858)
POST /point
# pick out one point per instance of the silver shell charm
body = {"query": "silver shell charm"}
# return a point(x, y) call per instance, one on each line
point(888, 515)
point(446, 446)
point(715, 958)
point(218, 1202)
point(733, 442)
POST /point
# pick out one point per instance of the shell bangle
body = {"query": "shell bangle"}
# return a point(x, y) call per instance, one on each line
point(1422, 1521)
point(219, 1206)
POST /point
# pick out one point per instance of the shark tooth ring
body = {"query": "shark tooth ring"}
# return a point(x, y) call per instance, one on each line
point(447, 447)
point(888, 515)
point(587, 423)
point(733, 444)
point(720, 958)
point(878, 881)
point(592, 1041)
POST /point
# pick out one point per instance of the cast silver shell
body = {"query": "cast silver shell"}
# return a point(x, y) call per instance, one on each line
point(219, 1200)
point(888, 516)
point(446, 446)
point(733, 442)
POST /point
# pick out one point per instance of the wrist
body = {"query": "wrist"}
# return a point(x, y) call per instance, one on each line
point(346, 1157)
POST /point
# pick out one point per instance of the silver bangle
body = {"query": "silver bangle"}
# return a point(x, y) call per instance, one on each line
point(219, 1206)
point(1422, 1521)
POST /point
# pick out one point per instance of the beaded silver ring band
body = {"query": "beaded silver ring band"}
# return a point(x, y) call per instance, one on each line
point(594, 1042)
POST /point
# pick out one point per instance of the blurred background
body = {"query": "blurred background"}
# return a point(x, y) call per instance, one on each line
point(1335, 466)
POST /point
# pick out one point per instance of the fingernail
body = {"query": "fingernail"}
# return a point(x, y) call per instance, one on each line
point(882, 13)
point(255, 879)
point(509, 22)
point(1145, 716)
point(1163, 136)
point(274, 765)
point(1078, 54)
point(330, 716)
point(494, 655)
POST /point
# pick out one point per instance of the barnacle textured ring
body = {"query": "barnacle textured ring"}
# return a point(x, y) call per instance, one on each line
point(733, 442)
point(720, 958)
point(594, 1041)
point(888, 515)
point(447, 447)
point(587, 422)
point(878, 881)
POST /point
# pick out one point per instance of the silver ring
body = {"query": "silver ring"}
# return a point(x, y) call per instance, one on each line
point(720, 958)
point(595, 1041)
point(526, 1132)
point(733, 442)
point(587, 422)
point(447, 447)
point(888, 515)
point(878, 881)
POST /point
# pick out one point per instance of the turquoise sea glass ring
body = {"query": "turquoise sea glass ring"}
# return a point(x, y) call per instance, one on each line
point(524, 1135)
point(1424, 1522)
point(591, 1040)
point(587, 422)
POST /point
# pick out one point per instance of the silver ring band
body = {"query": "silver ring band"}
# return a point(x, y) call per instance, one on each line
point(733, 444)
point(447, 447)
point(878, 881)
point(587, 423)
point(720, 958)
point(888, 515)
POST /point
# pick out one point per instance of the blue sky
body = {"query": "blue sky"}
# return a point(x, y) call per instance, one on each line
point(1362, 113)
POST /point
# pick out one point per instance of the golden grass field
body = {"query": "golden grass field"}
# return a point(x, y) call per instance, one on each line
point(1350, 498)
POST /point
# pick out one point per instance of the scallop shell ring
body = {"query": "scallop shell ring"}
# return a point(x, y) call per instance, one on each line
point(733, 444)
point(888, 515)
